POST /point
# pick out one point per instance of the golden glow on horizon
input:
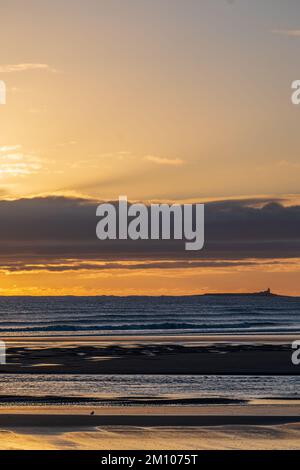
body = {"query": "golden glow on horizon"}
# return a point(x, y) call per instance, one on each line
point(282, 277)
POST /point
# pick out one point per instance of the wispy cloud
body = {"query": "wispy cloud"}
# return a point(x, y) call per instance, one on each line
point(164, 161)
point(9, 148)
point(19, 165)
point(292, 33)
point(11, 68)
point(15, 163)
point(65, 265)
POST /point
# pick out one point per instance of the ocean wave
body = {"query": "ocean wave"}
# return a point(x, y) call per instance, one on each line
point(88, 315)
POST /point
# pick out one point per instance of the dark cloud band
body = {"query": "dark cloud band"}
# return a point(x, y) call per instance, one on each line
point(58, 228)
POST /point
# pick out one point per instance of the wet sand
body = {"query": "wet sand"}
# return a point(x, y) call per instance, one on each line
point(247, 338)
point(250, 427)
point(282, 437)
point(80, 421)
point(208, 355)
point(255, 408)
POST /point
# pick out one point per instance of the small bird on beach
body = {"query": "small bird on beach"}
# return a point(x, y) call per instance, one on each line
point(92, 413)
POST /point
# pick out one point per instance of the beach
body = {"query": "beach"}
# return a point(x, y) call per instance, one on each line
point(141, 392)
point(257, 426)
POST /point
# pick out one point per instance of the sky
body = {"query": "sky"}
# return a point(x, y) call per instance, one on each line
point(159, 100)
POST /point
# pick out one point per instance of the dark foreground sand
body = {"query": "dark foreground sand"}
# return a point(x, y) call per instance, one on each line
point(265, 355)
point(80, 421)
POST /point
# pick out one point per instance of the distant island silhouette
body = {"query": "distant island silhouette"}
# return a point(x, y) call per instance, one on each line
point(264, 293)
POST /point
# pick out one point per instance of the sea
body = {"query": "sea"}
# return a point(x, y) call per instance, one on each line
point(64, 389)
point(89, 316)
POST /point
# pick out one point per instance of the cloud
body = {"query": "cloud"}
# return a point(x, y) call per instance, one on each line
point(77, 265)
point(164, 161)
point(14, 163)
point(12, 68)
point(292, 33)
point(55, 229)
point(9, 148)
